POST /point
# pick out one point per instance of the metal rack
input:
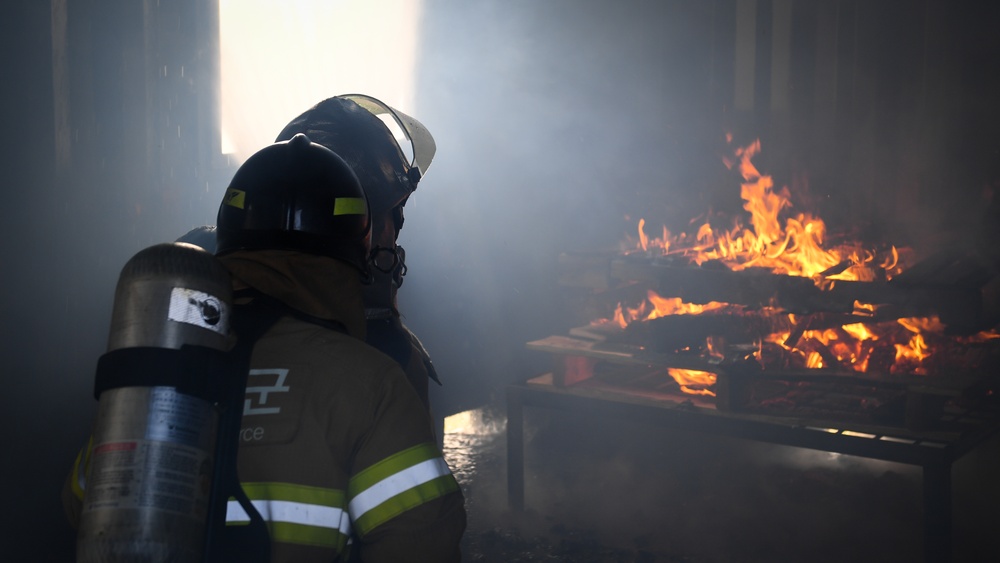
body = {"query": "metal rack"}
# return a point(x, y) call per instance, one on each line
point(933, 450)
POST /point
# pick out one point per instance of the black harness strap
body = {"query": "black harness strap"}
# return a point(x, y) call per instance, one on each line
point(244, 543)
point(193, 370)
point(389, 336)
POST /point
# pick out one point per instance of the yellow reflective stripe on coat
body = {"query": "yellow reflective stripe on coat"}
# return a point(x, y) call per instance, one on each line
point(397, 484)
point(296, 514)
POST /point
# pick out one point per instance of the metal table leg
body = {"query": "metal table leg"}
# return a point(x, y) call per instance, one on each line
point(937, 512)
point(515, 449)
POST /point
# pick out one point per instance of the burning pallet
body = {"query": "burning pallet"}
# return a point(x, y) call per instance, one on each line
point(764, 333)
point(765, 318)
point(763, 342)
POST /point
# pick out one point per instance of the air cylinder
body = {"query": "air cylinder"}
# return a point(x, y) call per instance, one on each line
point(148, 486)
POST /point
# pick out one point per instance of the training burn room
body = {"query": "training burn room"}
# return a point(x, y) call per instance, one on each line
point(657, 281)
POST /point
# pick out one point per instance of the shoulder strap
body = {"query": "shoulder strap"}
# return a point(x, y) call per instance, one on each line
point(245, 543)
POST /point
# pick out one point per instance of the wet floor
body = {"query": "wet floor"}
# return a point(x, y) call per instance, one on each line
point(609, 491)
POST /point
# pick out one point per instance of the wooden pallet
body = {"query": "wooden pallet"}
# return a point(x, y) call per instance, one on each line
point(916, 400)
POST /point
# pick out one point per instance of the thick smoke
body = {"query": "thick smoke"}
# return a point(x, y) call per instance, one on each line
point(558, 125)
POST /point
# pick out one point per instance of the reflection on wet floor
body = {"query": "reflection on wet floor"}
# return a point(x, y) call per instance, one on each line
point(469, 437)
point(474, 447)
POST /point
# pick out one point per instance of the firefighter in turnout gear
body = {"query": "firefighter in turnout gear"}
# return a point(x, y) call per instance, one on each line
point(371, 136)
point(337, 452)
point(389, 151)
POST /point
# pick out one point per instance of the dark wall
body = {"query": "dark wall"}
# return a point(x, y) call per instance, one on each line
point(32, 303)
point(104, 155)
point(891, 116)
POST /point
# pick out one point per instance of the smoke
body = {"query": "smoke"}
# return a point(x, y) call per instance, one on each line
point(558, 124)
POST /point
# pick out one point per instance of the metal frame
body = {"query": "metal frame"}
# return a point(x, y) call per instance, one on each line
point(929, 451)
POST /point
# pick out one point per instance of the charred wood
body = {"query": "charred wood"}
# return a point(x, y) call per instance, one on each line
point(959, 305)
point(676, 332)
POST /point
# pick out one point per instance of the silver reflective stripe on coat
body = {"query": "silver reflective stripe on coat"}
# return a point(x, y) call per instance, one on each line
point(395, 484)
point(292, 513)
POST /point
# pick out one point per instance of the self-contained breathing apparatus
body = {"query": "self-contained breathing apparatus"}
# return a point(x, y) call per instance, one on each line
point(171, 386)
point(170, 393)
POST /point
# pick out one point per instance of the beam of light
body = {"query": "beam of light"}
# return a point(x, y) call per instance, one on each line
point(281, 57)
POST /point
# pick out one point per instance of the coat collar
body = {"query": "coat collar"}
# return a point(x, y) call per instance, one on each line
point(316, 285)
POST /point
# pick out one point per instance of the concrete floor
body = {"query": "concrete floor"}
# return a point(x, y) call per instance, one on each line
point(610, 491)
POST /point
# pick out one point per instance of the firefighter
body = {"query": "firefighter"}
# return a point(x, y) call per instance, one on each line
point(357, 127)
point(334, 444)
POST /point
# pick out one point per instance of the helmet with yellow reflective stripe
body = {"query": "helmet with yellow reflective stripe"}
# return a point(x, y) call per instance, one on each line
point(297, 195)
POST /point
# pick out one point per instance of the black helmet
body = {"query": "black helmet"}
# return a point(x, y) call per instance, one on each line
point(297, 195)
point(387, 149)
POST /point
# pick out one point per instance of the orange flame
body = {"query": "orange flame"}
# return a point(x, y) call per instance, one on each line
point(917, 349)
point(693, 382)
point(655, 307)
point(789, 244)
point(793, 248)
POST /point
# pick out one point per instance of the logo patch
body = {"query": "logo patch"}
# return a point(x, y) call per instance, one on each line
point(261, 383)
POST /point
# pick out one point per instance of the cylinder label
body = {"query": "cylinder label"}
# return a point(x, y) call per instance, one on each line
point(149, 474)
point(200, 309)
point(175, 417)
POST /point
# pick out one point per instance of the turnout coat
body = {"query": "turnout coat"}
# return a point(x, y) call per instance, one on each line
point(337, 452)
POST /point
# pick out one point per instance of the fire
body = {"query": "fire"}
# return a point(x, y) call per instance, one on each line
point(917, 349)
point(851, 346)
point(645, 243)
point(792, 245)
point(848, 346)
point(655, 307)
point(774, 238)
point(859, 331)
point(643, 239)
point(693, 382)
